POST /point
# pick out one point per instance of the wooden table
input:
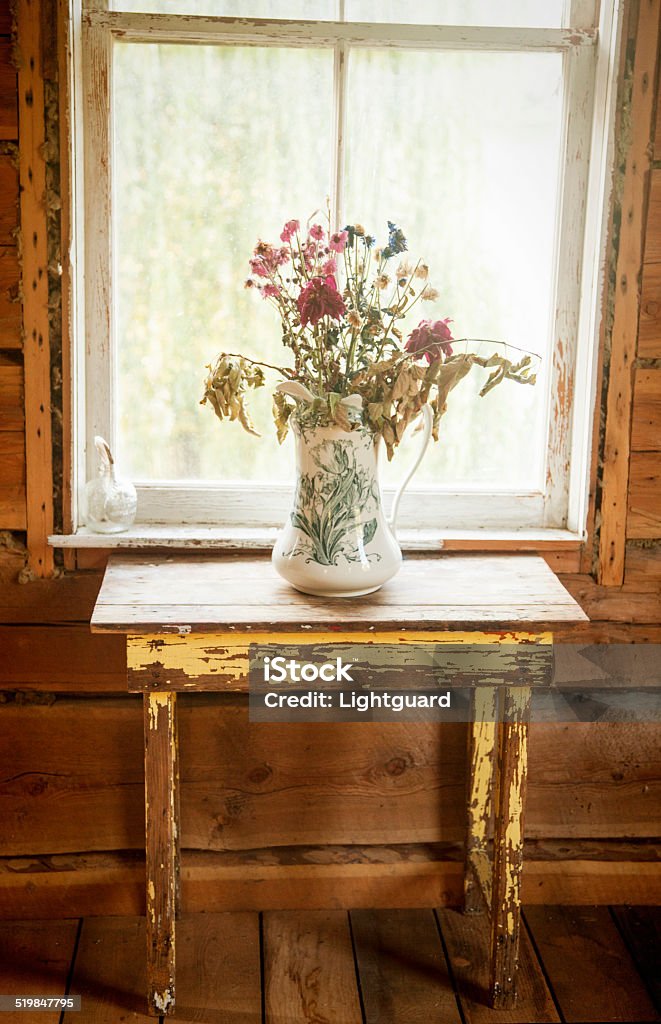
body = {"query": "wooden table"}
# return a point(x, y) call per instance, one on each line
point(189, 621)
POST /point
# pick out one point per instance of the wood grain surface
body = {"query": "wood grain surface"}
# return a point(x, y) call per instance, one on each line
point(636, 155)
point(646, 422)
point(402, 968)
point(162, 846)
point(586, 939)
point(110, 972)
point(467, 944)
point(649, 325)
point(309, 971)
point(73, 777)
point(199, 593)
point(8, 109)
point(640, 928)
point(31, 25)
point(422, 875)
point(8, 197)
point(218, 969)
point(10, 307)
point(34, 960)
point(644, 519)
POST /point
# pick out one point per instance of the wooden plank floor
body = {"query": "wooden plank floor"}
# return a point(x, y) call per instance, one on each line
point(578, 964)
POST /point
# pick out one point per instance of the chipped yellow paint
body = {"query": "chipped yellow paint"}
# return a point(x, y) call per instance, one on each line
point(151, 901)
point(483, 741)
point(517, 703)
point(192, 654)
point(508, 848)
point(156, 702)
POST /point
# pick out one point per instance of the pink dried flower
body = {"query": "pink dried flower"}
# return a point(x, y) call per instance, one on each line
point(266, 259)
point(309, 250)
point(338, 241)
point(270, 291)
point(329, 267)
point(317, 232)
point(259, 266)
point(430, 340)
point(319, 298)
point(289, 230)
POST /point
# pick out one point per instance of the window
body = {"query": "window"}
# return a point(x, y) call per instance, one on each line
point(482, 129)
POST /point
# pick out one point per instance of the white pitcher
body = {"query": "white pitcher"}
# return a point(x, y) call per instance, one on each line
point(337, 541)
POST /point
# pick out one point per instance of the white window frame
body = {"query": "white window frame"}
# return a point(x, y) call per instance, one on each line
point(590, 63)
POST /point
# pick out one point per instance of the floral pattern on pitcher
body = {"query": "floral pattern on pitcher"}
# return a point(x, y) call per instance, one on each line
point(335, 507)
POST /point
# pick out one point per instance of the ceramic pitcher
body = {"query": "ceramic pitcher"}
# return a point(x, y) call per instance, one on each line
point(337, 541)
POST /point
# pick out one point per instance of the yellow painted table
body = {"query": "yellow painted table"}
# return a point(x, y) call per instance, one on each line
point(189, 621)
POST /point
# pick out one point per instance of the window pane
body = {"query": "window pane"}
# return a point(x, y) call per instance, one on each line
point(214, 148)
point(462, 151)
point(528, 13)
point(325, 10)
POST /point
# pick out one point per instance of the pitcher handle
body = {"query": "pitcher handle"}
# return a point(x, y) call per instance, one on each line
point(427, 420)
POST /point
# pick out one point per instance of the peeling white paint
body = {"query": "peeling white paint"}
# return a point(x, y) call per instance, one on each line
point(165, 1001)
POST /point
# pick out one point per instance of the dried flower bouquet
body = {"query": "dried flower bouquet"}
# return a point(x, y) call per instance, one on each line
point(340, 299)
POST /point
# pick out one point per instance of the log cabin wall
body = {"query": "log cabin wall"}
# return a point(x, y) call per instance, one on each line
point(354, 798)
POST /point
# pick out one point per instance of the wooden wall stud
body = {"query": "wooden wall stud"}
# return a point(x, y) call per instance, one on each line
point(32, 174)
point(617, 442)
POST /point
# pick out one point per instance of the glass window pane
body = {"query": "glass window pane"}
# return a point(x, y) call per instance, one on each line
point(214, 148)
point(323, 10)
point(527, 13)
point(462, 151)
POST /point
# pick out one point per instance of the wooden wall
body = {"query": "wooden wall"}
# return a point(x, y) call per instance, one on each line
point(644, 514)
point(265, 803)
point(12, 417)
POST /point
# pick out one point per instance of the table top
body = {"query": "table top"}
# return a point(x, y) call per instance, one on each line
point(180, 593)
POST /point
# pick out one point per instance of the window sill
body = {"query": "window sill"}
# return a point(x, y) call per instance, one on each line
point(214, 538)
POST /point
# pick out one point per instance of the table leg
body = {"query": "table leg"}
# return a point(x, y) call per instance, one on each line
point(508, 845)
point(482, 733)
point(162, 845)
